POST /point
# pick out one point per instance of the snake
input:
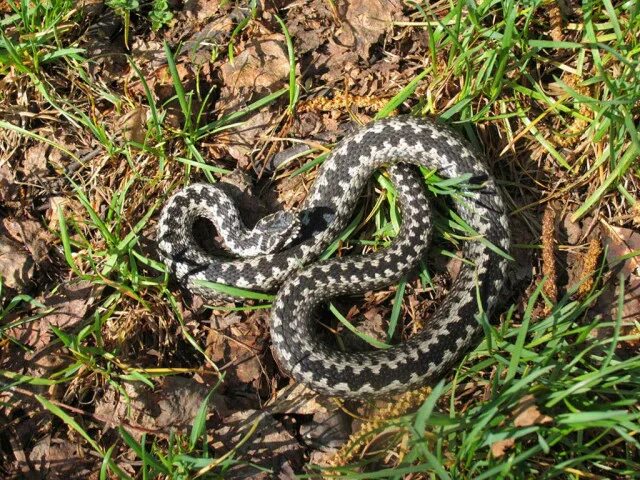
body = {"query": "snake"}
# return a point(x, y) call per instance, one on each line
point(284, 253)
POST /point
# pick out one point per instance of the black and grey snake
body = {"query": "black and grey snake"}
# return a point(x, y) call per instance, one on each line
point(283, 259)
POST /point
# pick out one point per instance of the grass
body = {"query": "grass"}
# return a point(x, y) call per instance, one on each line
point(588, 395)
point(556, 114)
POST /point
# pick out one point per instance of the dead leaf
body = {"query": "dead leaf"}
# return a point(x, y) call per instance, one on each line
point(16, 266)
point(261, 68)
point(300, 400)
point(291, 191)
point(635, 211)
point(310, 24)
point(572, 229)
point(499, 448)
point(172, 405)
point(220, 322)
point(58, 459)
point(239, 348)
point(365, 21)
point(58, 160)
point(270, 446)
point(340, 63)
point(69, 306)
point(370, 319)
point(133, 125)
point(202, 9)
point(376, 323)
point(622, 241)
point(70, 206)
point(102, 42)
point(205, 42)
point(607, 304)
point(163, 84)
point(31, 234)
point(243, 141)
point(326, 433)
point(154, 57)
point(454, 265)
point(527, 413)
point(35, 160)
point(7, 186)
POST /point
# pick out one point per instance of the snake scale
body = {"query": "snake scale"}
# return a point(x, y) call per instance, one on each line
point(281, 253)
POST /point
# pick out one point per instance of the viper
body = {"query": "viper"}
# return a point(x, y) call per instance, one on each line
point(281, 254)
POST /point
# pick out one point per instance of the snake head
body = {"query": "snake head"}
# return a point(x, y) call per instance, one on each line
point(277, 231)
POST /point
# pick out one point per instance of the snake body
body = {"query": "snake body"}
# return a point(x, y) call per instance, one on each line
point(287, 261)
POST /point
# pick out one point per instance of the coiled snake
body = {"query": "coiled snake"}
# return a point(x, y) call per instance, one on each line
point(282, 248)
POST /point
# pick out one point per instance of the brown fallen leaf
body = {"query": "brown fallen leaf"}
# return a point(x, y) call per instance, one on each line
point(68, 306)
point(239, 348)
point(243, 141)
point(299, 400)
point(133, 125)
point(271, 445)
point(202, 9)
point(327, 431)
point(262, 67)
point(16, 265)
point(329, 427)
point(572, 229)
point(34, 164)
point(102, 42)
point(311, 23)
point(207, 38)
point(171, 405)
point(340, 63)
point(499, 448)
point(621, 242)
point(70, 208)
point(364, 23)
point(607, 307)
point(635, 211)
point(58, 459)
point(154, 59)
point(291, 191)
point(527, 413)
point(7, 186)
point(30, 233)
point(454, 265)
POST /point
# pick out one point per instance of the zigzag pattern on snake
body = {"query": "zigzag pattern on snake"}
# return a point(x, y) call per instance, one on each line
point(283, 249)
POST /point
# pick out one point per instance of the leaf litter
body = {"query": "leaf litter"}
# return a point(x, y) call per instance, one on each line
point(352, 58)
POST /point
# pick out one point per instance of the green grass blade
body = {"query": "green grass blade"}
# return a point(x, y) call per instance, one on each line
point(294, 90)
point(367, 338)
point(71, 422)
point(235, 291)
